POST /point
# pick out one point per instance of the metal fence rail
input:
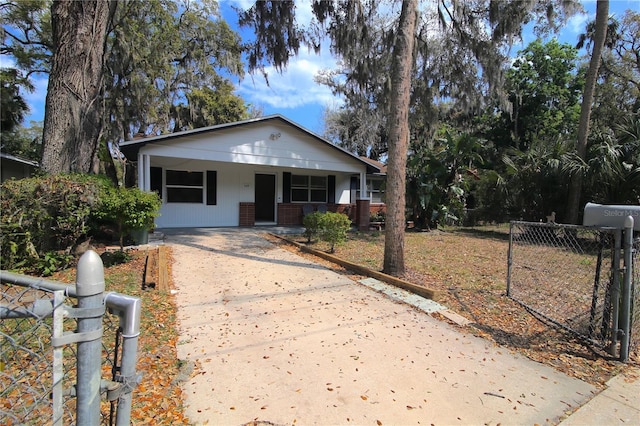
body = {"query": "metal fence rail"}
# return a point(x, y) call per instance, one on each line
point(567, 275)
point(635, 299)
point(58, 344)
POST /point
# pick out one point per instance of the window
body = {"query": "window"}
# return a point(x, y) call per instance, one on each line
point(184, 187)
point(375, 190)
point(309, 188)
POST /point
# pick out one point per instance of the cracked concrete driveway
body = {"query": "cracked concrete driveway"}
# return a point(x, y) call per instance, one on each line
point(279, 339)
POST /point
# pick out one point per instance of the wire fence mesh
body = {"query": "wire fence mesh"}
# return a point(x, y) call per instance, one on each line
point(27, 375)
point(565, 274)
point(26, 357)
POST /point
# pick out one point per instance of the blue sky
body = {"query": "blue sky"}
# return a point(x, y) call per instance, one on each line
point(293, 93)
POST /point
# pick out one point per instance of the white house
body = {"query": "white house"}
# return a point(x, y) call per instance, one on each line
point(252, 172)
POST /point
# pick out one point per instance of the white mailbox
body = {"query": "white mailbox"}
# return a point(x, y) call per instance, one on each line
point(614, 216)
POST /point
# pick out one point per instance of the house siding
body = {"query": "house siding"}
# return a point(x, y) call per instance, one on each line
point(234, 185)
point(293, 148)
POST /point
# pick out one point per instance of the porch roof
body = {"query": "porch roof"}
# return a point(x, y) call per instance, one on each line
point(130, 148)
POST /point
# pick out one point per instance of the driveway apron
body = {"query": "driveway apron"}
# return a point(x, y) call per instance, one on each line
point(278, 339)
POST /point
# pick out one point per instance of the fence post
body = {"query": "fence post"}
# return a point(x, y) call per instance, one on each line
point(89, 289)
point(615, 291)
point(509, 259)
point(58, 353)
point(128, 309)
point(626, 289)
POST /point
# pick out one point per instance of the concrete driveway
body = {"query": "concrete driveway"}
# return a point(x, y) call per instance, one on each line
point(277, 339)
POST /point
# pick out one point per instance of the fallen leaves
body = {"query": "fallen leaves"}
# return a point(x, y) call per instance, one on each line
point(467, 269)
point(158, 398)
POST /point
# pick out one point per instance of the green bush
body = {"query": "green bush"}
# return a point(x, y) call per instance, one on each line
point(377, 217)
point(51, 262)
point(43, 215)
point(311, 223)
point(110, 258)
point(128, 209)
point(333, 228)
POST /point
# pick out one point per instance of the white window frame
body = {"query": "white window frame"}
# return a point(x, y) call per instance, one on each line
point(376, 195)
point(310, 187)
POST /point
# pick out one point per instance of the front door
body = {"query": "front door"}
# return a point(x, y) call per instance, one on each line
point(265, 198)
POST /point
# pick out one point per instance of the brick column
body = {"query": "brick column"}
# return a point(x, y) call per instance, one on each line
point(362, 214)
point(247, 214)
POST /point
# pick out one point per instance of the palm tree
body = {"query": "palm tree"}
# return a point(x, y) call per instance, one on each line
point(611, 168)
point(599, 37)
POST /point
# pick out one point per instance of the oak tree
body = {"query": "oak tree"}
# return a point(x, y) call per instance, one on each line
point(73, 113)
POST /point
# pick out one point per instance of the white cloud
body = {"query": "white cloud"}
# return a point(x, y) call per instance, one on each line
point(294, 88)
point(7, 62)
point(578, 22)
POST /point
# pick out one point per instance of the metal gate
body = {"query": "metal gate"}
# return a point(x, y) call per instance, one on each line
point(54, 353)
point(576, 278)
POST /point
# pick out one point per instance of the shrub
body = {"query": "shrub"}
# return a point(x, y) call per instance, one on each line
point(110, 258)
point(50, 262)
point(45, 214)
point(378, 216)
point(334, 228)
point(128, 209)
point(311, 223)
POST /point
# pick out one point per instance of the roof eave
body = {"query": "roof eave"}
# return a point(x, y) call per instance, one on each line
point(131, 148)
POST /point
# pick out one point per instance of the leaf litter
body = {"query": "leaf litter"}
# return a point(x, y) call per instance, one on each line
point(467, 267)
point(438, 260)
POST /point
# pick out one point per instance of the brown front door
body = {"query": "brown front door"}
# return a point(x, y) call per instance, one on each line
point(265, 198)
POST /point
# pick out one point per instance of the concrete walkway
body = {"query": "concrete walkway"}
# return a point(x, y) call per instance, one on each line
point(281, 340)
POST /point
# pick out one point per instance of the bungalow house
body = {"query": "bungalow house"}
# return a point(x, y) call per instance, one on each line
point(260, 171)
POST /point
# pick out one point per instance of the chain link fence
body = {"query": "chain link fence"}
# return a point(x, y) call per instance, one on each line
point(568, 276)
point(26, 357)
point(48, 354)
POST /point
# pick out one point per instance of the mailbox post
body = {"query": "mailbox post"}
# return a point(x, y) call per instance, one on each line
point(625, 218)
point(626, 289)
point(614, 216)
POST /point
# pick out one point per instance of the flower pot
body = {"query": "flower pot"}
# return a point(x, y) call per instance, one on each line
point(140, 236)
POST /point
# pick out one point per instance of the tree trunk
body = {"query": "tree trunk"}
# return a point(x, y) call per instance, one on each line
point(73, 111)
point(399, 139)
point(575, 187)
